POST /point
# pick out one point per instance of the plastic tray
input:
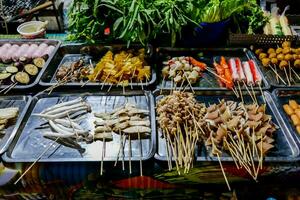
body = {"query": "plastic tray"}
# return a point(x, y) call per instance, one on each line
point(34, 81)
point(285, 150)
point(281, 96)
point(22, 102)
point(72, 52)
point(29, 143)
point(270, 76)
point(208, 81)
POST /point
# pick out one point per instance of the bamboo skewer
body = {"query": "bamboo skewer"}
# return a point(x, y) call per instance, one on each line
point(287, 77)
point(102, 156)
point(167, 148)
point(223, 172)
point(239, 86)
point(123, 153)
point(277, 75)
point(130, 152)
point(39, 157)
point(295, 73)
point(253, 94)
point(141, 154)
point(249, 92)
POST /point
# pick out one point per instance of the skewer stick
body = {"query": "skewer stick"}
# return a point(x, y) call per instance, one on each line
point(105, 80)
point(215, 74)
point(84, 84)
point(130, 152)
point(241, 94)
point(235, 92)
point(110, 87)
point(225, 177)
point(141, 154)
point(249, 91)
point(102, 156)
point(123, 153)
point(290, 72)
point(120, 146)
point(162, 83)
point(189, 82)
point(173, 151)
point(253, 94)
point(39, 157)
point(287, 77)
point(295, 73)
point(262, 93)
point(167, 147)
point(277, 75)
point(142, 85)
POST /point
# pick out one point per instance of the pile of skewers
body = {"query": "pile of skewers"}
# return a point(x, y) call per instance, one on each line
point(285, 58)
point(234, 72)
point(76, 71)
point(292, 109)
point(245, 131)
point(8, 117)
point(180, 121)
point(129, 122)
point(122, 68)
point(183, 69)
point(62, 120)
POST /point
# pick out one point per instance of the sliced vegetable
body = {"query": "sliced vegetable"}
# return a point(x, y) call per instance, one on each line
point(22, 77)
point(11, 69)
point(31, 69)
point(4, 76)
point(39, 62)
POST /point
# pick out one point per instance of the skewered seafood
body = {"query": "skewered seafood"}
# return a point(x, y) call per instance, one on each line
point(126, 120)
point(180, 119)
point(74, 71)
point(61, 124)
point(181, 69)
point(292, 109)
point(245, 131)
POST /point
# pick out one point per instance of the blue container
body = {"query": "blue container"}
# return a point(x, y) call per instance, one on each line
point(208, 34)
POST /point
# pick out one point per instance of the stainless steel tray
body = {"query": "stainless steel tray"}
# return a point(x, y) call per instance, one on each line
point(208, 81)
point(29, 143)
point(36, 79)
point(281, 96)
point(73, 51)
point(271, 76)
point(285, 150)
point(22, 102)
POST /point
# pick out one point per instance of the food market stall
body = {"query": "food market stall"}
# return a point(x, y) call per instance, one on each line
point(137, 104)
